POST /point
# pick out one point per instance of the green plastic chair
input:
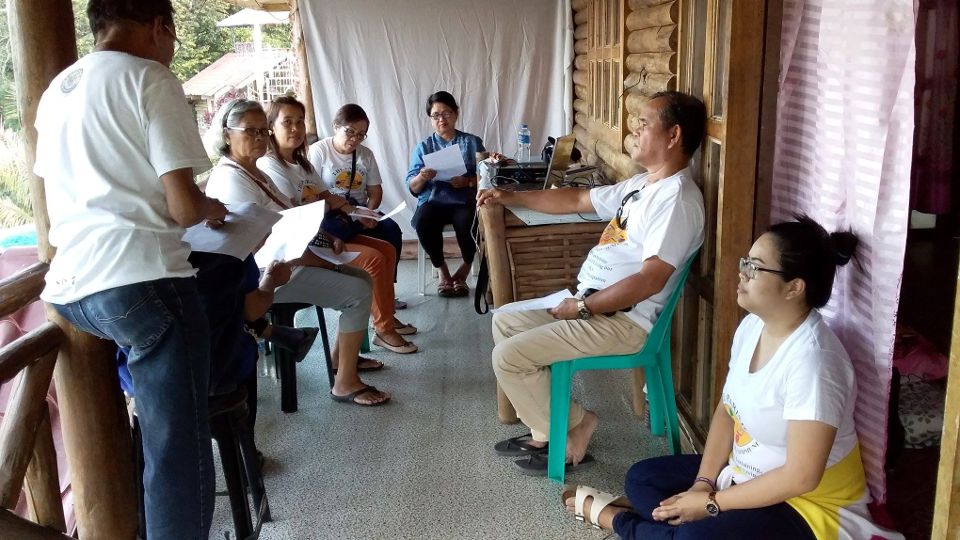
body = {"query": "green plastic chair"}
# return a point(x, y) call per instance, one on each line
point(654, 357)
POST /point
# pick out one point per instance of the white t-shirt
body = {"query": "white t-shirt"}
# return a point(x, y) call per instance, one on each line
point(663, 219)
point(809, 377)
point(334, 169)
point(107, 128)
point(289, 178)
point(230, 184)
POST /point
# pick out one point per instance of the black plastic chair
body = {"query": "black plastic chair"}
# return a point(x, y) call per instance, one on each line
point(283, 315)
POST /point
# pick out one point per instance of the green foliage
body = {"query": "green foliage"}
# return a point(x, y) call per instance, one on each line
point(15, 206)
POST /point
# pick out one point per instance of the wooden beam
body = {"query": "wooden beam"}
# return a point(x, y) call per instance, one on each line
point(25, 410)
point(42, 481)
point(26, 349)
point(14, 526)
point(661, 15)
point(659, 39)
point(95, 426)
point(302, 70)
point(946, 511)
point(22, 288)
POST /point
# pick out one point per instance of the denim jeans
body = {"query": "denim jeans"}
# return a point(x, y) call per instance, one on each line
point(163, 324)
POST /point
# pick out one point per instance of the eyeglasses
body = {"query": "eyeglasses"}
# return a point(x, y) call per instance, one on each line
point(177, 44)
point(622, 221)
point(445, 115)
point(252, 132)
point(354, 134)
point(749, 269)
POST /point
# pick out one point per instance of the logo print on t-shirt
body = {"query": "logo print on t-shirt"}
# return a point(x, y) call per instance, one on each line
point(71, 81)
point(343, 179)
point(613, 234)
point(741, 437)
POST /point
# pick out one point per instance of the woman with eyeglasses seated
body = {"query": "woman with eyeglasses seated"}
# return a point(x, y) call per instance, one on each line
point(782, 459)
point(241, 135)
point(446, 201)
point(290, 171)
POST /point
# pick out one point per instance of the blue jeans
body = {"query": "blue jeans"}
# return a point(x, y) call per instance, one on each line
point(163, 324)
point(653, 480)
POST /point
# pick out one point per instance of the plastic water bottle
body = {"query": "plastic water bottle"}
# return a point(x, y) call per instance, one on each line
point(523, 144)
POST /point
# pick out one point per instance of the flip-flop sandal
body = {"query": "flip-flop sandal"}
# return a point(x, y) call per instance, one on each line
point(352, 397)
point(518, 446)
point(378, 365)
point(405, 329)
point(445, 290)
point(601, 500)
point(536, 465)
point(406, 348)
point(460, 289)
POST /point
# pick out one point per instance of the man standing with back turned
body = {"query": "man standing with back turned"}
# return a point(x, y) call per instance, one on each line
point(118, 148)
point(656, 224)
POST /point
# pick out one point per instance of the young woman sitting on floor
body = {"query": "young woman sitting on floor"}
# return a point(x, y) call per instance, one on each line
point(782, 458)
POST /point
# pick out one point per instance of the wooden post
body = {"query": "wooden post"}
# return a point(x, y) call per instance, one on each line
point(946, 512)
point(302, 71)
point(43, 482)
point(95, 426)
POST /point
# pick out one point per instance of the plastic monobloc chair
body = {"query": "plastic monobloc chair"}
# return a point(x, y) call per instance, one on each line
point(654, 357)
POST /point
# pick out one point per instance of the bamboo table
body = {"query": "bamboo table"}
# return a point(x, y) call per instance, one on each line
point(531, 261)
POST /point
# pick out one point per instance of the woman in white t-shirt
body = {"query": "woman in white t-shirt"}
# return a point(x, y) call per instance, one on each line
point(242, 139)
point(289, 170)
point(782, 458)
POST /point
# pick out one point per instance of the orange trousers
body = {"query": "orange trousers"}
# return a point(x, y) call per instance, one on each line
point(379, 259)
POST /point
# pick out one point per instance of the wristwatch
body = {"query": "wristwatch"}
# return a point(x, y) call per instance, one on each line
point(711, 505)
point(583, 312)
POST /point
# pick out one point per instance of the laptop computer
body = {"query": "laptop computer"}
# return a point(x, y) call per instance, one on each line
point(526, 176)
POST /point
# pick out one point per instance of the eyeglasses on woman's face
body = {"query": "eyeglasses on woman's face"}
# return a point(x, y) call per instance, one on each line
point(177, 44)
point(446, 115)
point(252, 132)
point(351, 133)
point(750, 269)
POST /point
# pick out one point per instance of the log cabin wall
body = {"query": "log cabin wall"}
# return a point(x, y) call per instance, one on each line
point(625, 51)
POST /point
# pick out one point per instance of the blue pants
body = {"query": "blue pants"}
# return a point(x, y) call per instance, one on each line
point(653, 480)
point(389, 231)
point(163, 324)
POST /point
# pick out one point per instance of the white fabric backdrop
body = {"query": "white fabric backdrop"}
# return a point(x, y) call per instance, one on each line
point(505, 61)
point(843, 155)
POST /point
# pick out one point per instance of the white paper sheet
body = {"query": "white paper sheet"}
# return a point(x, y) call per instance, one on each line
point(327, 254)
point(372, 214)
point(546, 302)
point(244, 227)
point(290, 235)
point(447, 162)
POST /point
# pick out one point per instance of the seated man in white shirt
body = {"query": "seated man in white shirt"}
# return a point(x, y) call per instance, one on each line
point(656, 224)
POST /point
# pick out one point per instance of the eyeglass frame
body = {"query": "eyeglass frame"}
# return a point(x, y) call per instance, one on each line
point(356, 135)
point(176, 40)
point(446, 115)
point(622, 222)
point(252, 131)
point(746, 263)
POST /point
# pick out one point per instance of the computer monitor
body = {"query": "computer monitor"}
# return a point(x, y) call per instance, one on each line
point(559, 161)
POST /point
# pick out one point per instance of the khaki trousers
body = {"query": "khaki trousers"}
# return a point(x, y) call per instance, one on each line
point(526, 343)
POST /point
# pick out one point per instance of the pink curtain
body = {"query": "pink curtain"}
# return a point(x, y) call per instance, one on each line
point(936, 106)
point(843, 155)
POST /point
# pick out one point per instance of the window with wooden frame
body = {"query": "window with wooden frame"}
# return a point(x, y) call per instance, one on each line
point(605, 63)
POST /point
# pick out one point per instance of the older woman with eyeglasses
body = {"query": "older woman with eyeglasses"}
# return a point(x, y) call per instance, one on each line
point(291, 172)
point(446, 201)
point(241, 138)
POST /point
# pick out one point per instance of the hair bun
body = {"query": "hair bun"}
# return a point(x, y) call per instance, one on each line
point(843, 244)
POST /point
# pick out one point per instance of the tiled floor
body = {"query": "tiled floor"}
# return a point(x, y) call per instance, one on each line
point(423, 466)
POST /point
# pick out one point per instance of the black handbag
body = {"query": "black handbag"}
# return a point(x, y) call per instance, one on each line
point(337, 222)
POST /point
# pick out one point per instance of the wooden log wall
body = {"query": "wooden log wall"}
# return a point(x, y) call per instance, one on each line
point(649, 66)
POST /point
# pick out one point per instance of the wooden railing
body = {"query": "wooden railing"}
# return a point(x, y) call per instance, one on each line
point(27, 455)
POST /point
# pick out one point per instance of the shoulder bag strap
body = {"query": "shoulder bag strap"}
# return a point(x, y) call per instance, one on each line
point(260, 185)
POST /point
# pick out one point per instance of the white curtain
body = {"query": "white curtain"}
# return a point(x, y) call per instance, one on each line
point(843, 155)
point(505, 61)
